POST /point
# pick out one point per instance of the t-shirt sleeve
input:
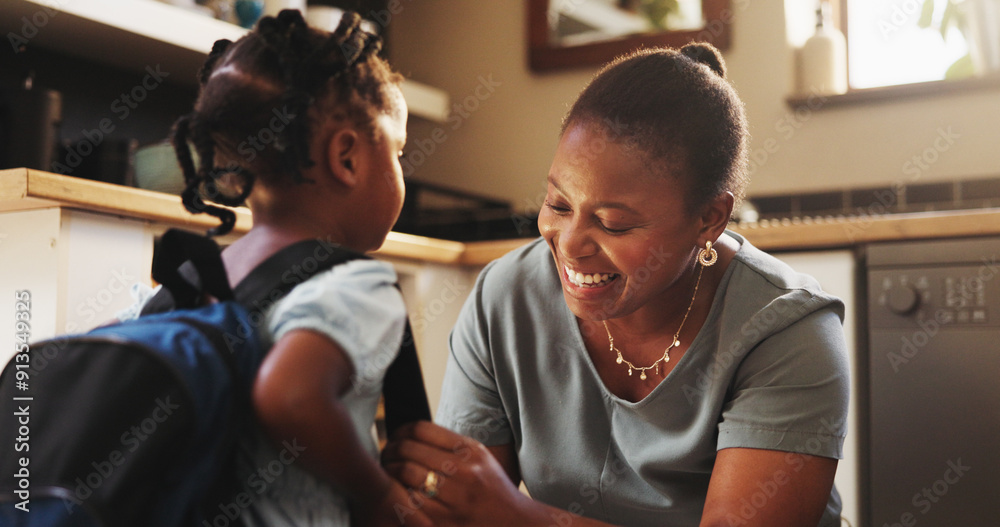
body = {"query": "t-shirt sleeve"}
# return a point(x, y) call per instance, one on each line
point(790, 393)
point(470, 401)
point(141, 293)
point(356, 305)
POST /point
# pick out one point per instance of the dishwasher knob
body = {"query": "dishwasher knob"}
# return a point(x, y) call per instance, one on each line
point(902, 299)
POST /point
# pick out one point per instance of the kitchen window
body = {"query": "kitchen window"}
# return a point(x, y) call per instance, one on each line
point(893, 42)
point(903, 48)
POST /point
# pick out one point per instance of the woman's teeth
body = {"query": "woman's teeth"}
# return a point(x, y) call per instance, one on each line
point(580, 279)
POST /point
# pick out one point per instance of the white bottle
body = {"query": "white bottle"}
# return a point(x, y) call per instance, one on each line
point(823, 58)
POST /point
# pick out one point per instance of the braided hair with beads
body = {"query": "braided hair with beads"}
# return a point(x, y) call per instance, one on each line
point(260, 99)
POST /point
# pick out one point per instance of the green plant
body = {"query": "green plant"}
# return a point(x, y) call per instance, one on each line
point(658, 10)
point(952, 16)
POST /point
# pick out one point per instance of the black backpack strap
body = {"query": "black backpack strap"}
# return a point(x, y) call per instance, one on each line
point(177, 247)
point(404, 392)
point(403, 389)
point(287, 268)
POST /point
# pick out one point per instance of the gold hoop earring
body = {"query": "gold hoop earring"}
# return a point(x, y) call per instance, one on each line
point(707, 256)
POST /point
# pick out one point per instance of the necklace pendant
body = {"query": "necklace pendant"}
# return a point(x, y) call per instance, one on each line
point(657, 368)
point(619, 359)
point(642, 376)
point(630, 372)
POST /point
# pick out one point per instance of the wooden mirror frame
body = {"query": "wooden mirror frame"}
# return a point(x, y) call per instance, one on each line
point(542, 56)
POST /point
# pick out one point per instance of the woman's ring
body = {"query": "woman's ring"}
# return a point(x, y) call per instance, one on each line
point(430, 486)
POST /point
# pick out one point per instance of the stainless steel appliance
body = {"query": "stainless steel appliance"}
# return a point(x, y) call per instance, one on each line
point(933, 384)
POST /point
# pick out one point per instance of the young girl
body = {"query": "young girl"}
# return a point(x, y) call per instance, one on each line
point(307, 126)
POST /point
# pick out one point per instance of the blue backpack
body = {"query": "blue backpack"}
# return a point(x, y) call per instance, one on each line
point(136, 423)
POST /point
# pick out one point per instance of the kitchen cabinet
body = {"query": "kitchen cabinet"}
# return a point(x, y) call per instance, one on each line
point(136, 34)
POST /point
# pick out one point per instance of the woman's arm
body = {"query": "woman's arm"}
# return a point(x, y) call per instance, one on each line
point(749, 487)
point(767, 488)
point(297, 399)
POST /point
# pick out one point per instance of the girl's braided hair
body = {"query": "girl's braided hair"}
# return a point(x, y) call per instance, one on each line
point(260, 100)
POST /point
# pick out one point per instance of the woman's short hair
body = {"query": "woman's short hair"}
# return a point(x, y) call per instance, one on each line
point(676, 108)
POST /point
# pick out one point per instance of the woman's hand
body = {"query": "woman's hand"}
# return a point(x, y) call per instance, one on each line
point(472, 488)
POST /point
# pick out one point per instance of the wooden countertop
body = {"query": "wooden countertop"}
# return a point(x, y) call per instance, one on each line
point(25, 189)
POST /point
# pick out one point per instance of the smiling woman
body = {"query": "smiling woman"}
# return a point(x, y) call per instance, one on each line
point(640, 364)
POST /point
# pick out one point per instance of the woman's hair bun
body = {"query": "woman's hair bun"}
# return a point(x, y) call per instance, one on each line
point(706, 54)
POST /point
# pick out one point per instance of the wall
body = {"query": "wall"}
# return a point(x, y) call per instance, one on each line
point(503, 144)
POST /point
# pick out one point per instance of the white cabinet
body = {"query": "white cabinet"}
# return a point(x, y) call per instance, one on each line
point(77, 266)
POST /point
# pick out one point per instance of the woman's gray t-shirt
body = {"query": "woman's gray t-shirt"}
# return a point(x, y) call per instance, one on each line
point(767, 370)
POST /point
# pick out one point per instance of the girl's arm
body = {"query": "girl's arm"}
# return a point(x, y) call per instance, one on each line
point(297, 399)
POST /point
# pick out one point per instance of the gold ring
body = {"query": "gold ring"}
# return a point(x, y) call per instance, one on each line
point(430, 486)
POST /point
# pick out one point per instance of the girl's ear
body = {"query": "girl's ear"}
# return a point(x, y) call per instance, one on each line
point(716, 215)
point(342, 156)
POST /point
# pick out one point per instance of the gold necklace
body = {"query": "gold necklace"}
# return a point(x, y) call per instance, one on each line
point(666, 353)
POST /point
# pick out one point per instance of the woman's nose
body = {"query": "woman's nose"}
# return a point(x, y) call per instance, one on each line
point(576, 241)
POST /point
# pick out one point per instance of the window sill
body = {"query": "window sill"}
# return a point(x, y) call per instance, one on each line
point(895, 93)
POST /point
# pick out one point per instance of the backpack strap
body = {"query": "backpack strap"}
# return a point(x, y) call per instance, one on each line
point(177, 247)
point(282, 271)
point(403, 389)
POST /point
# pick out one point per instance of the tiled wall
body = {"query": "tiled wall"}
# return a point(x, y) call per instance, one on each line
point(921, 197)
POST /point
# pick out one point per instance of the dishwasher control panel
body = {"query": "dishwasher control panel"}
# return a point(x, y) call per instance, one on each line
point(950, 296)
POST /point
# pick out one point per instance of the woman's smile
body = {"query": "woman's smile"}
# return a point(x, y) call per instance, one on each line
point(588, 280)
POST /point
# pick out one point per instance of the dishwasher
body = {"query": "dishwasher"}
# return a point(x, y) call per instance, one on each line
point(933, 378)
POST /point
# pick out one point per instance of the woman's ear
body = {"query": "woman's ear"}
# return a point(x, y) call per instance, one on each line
point(342, 156)
point(716, 215)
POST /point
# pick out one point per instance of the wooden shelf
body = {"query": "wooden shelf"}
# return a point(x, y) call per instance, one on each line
point(136, 34)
